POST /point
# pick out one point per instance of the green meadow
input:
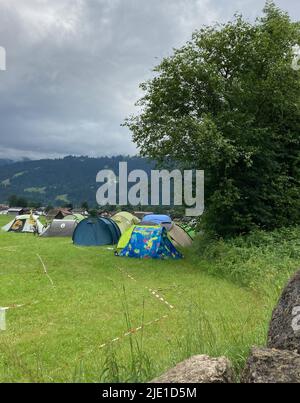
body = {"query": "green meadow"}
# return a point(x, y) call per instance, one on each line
point(75, 316)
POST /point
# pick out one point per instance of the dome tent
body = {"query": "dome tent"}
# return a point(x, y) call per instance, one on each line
point(24, 223)
point(96, 231)
point(60, 228)
point(125, 220)
point(158, 219)
point(148, 242)
point(179, 236)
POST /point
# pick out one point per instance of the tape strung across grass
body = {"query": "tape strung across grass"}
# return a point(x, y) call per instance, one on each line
point(139, 328)
point(130, 332)
point(15, 306)
point(152, 292)
point(120, 338)
point(9, 248)
point(45, 270)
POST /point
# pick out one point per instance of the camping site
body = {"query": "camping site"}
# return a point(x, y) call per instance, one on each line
point(149, 195)
point(82, 314)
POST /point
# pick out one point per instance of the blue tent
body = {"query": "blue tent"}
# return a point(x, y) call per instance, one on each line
point(150, 242)
point(96, 231)
point(158, 219)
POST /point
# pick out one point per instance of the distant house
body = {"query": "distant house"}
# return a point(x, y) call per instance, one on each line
point(14, 211)
point(58, 213)
point(3, 209)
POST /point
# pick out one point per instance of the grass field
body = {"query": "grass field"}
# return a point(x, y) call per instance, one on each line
point(59, 333)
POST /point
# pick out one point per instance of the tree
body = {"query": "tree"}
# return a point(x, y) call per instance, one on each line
point(228, 102)
point(85, 205)
point(93, 213)
point(68, 206)
point(15, 201)
point(12, 201)
point(22, 202)
point(35, 204)
point(48, 208)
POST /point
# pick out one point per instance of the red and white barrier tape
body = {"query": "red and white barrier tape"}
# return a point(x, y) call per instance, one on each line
point(15, 306)
point(9, 248)
point(133, 331)
point(139, 328)
point(152, 292)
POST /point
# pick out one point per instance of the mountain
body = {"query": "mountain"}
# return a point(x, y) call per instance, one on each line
point(5, 162)
point(60, 181)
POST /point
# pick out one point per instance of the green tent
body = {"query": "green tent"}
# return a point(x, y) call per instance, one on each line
point(125, 220)
point(125, 238)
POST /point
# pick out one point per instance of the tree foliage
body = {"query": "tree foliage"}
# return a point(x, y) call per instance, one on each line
point(228, 102)
point(16, 201)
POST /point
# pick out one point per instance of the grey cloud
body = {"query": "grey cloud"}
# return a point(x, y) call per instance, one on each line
point(74, 66)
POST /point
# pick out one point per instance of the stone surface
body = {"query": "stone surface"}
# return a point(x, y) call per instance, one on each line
point(199, 369)
point(284, 330)
point(272, 366)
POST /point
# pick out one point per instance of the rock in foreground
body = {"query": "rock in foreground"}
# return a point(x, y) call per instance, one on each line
point(272, 366)
point(199, 369)
point(284, 331)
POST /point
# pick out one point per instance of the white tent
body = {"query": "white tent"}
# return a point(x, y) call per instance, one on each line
point(60, 228)
point(24, 223)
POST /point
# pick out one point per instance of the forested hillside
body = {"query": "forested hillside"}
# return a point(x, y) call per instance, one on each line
point(60, 181)
point(5, 162)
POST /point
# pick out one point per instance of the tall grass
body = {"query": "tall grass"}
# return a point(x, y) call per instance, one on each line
point(223, 293)
point(262, 261)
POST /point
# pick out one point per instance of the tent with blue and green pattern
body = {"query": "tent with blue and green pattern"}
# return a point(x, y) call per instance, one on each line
point(150, 242)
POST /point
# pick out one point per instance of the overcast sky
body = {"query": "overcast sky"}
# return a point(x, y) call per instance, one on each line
point(74, 66)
